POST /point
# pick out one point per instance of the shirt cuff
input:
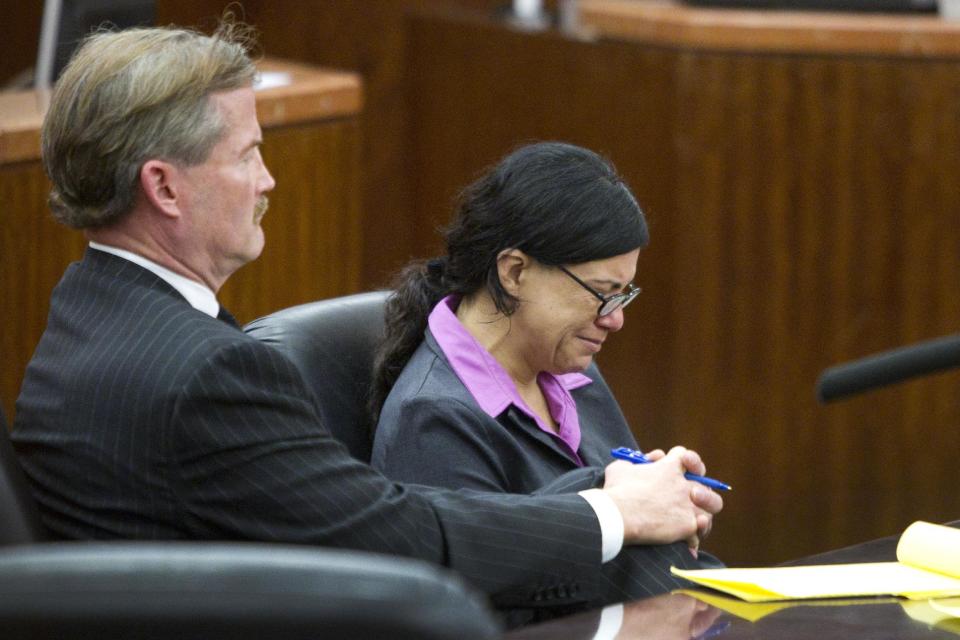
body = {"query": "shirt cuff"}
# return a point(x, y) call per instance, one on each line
point(611, 619)
point(611, 522)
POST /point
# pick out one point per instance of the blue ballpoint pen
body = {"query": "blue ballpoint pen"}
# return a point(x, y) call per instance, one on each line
point(637, 457)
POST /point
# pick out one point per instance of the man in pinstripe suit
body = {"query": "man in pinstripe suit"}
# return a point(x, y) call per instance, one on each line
point(145, 413)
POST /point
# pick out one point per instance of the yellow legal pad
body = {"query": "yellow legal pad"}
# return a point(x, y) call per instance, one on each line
point(928, 566)
point(943, 614)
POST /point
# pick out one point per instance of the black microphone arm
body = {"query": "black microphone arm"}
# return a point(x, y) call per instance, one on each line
point(888, 367)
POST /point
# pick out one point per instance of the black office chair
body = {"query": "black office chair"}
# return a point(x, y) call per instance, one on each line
point(136, 590)
point(20, 523)
point(332, 343)
point(240, 591)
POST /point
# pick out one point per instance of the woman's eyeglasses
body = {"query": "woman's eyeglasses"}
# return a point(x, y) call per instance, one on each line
point(608, 304)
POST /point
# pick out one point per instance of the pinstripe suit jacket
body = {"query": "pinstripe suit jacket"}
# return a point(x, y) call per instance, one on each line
point(141, 417)
point(432, 431)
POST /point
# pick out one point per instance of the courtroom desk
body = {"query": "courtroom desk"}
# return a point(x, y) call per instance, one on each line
point(681, 616)
point(803, 211)
point(674, 24)
point(311, 145)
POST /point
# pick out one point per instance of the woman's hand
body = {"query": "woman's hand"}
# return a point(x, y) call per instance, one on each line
point(658, 504)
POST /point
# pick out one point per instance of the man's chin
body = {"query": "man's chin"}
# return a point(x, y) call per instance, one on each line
point(256, 247)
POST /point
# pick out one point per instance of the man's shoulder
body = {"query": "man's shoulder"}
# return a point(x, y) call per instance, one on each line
point(104, 282)
point(115, 304)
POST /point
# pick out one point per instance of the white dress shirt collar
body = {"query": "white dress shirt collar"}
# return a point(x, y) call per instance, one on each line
point(198, 295)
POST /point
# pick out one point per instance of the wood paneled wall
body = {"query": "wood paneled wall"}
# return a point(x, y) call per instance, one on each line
point(34, 251)
point(313, 226)
point(803, 211)
point(19, 37)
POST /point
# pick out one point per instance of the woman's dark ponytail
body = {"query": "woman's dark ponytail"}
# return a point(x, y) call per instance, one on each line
point(417, 290)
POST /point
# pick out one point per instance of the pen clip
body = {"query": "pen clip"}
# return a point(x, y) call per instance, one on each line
point(630, 455)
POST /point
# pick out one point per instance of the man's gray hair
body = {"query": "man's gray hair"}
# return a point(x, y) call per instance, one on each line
point(130, 96)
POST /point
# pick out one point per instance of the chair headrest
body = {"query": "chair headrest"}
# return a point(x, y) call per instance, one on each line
point(332, 342)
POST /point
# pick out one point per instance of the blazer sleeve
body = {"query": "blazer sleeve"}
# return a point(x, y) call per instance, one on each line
point(438, 440)
point(249, 459)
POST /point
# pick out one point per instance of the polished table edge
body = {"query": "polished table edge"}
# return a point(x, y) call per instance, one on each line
point(879, 550)
point(312, 94)
point(805, 618)
point(671, 23)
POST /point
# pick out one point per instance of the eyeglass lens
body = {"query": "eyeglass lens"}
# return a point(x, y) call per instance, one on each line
point(617, 301)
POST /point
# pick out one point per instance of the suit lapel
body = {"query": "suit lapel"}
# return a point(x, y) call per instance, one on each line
point(517, 421)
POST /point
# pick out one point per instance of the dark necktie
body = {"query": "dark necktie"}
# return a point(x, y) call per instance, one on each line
point(227, 317)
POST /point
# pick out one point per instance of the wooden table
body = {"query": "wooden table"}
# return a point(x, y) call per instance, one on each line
point(683, 615)
point(674, 24)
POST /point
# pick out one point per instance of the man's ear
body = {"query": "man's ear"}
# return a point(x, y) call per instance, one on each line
point(160, 187)
point(512, 267)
